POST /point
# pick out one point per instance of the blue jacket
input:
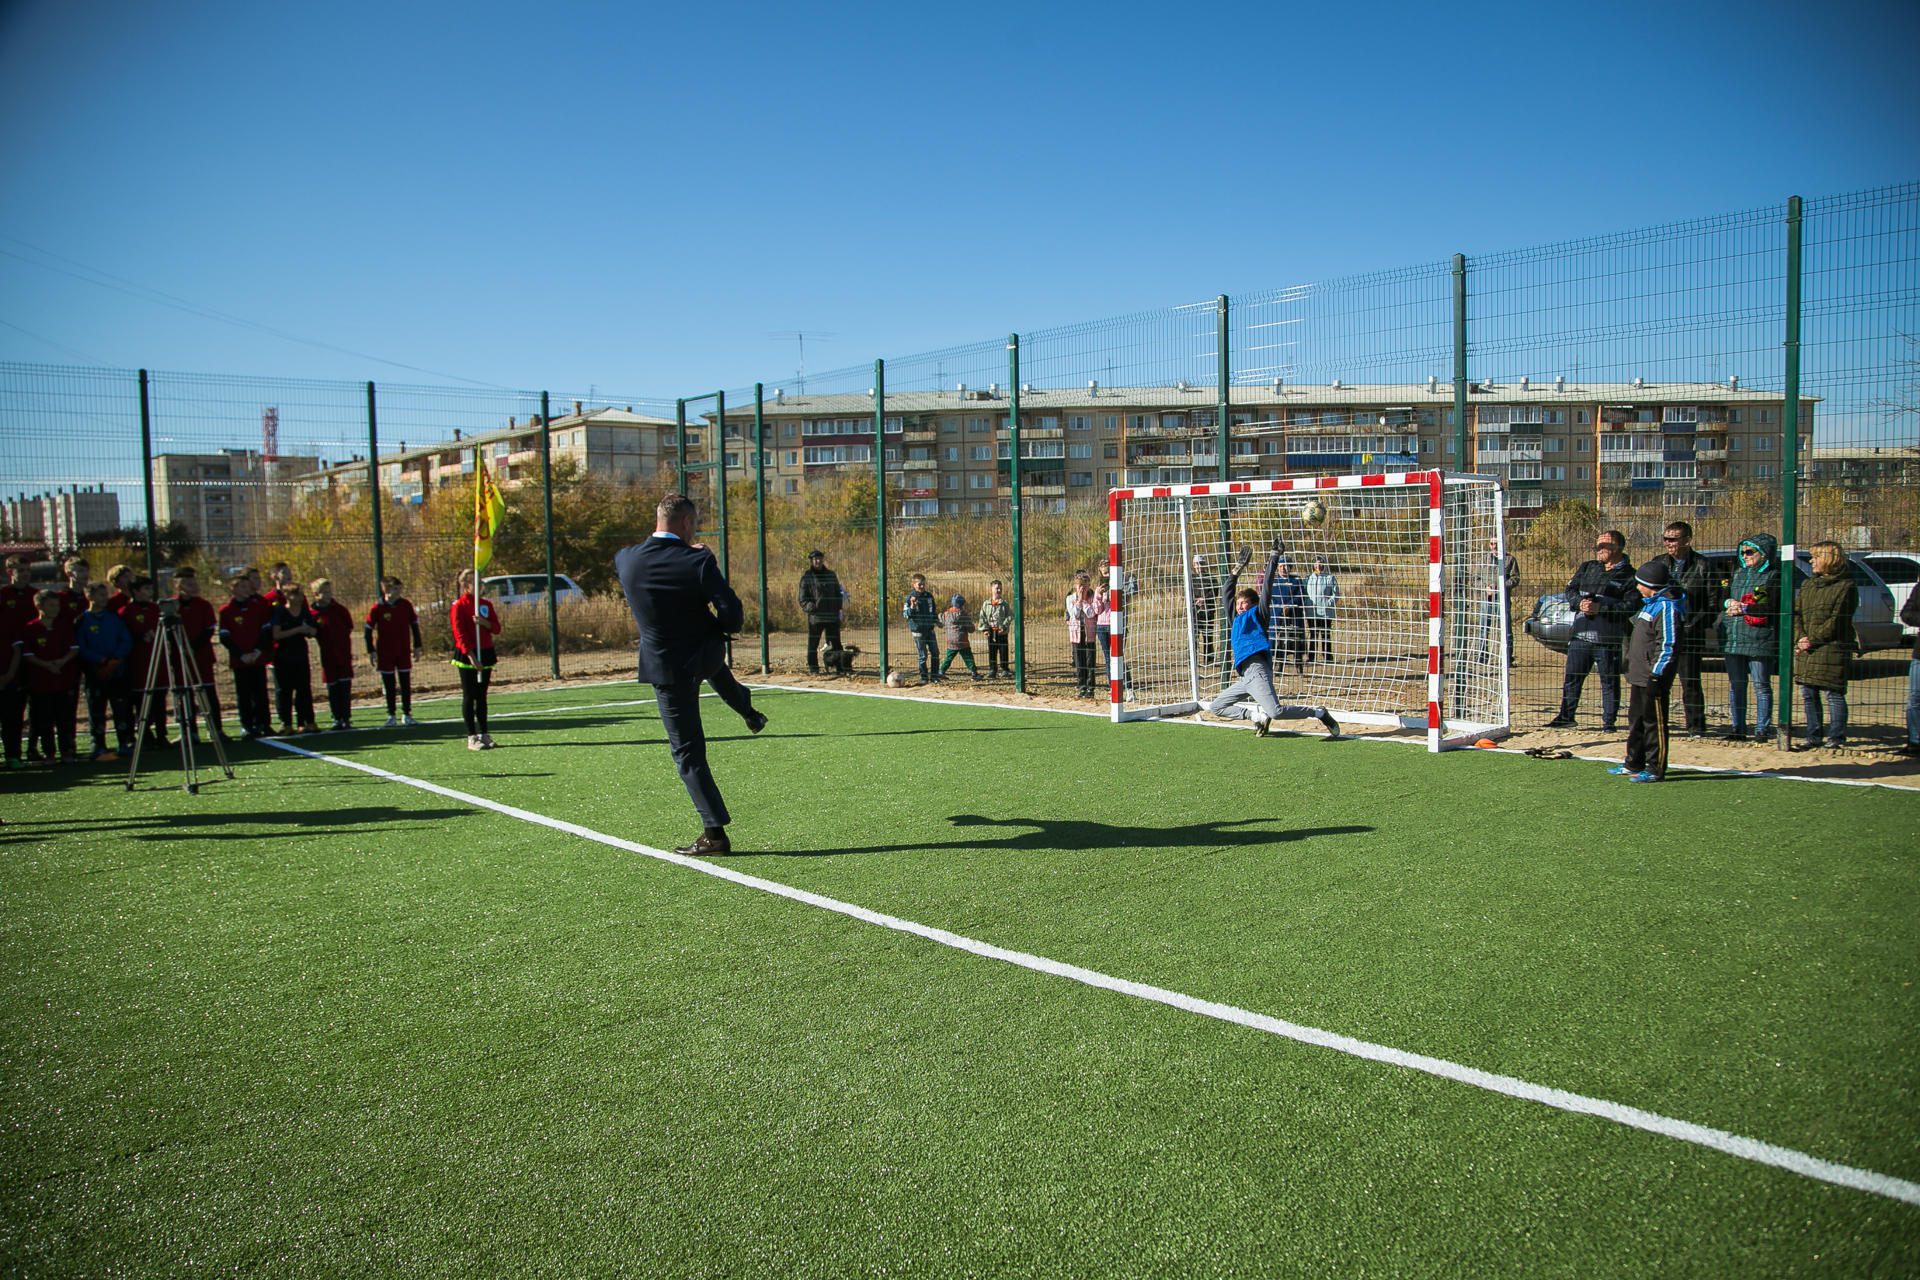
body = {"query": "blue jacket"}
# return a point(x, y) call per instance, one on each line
point(101, 636)
point(1656, 633)
point(1248, 630)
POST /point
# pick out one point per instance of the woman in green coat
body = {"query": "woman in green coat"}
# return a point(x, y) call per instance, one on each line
point(1750, 635)
point(1823, 642)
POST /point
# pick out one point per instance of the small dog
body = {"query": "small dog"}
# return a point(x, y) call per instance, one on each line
point(839, 662)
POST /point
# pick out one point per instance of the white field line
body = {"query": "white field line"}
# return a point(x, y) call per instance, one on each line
point(1733, 1144)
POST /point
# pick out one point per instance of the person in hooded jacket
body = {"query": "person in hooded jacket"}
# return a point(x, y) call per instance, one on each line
point(1750, 635)
point(1823, 642)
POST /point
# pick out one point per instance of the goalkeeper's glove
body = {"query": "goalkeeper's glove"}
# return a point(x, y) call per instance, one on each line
point(1241, 557)
point(1280, 544)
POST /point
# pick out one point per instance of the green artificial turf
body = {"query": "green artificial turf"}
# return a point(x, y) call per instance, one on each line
point(310, 1021)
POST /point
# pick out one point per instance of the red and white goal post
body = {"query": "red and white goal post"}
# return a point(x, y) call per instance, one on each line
point(1416, 638)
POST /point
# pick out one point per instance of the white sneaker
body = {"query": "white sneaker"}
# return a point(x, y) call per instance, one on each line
point(392, 723)
point(1261, 724)
point(473, 742)
point(408, 720)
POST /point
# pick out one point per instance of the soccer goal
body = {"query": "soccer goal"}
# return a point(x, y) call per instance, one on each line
point(1416, 636)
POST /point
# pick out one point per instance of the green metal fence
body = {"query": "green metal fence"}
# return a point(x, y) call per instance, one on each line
point(1752, 372)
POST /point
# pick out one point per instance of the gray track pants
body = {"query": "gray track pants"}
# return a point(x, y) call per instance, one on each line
point(1256, 682)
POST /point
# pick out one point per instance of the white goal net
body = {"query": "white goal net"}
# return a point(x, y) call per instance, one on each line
point(1390, 610)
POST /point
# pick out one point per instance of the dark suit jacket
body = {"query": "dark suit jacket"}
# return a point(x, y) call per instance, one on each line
point(683, 605)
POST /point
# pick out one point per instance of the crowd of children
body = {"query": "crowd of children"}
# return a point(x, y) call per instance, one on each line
point(100, 638)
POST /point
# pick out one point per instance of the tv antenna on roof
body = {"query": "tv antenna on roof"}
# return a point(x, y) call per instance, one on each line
point(801, 337)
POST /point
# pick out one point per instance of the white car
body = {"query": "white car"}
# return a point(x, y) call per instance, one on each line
point(529, 588)
point(1899, 570)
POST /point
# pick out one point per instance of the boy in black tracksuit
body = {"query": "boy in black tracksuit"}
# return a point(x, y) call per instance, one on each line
point(922, 613)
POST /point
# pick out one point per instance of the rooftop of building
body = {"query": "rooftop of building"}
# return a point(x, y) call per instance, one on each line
point(1411, 395)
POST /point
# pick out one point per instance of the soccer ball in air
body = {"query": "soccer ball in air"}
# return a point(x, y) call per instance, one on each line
point(1314, 514)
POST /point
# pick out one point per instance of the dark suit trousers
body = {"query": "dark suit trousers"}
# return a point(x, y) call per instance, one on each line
point(680, 715)
point(731, 691)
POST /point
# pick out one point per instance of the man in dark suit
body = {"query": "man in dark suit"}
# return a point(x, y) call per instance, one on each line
point(685, 611)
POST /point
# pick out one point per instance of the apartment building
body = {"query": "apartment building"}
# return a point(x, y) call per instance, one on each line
point(949, 453)
point(223, 497)
point(616, 443)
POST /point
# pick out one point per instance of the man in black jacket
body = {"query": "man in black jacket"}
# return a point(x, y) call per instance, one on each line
point(820, 600)
point(1604, 599)
point(1691, 572)
point(685, 611)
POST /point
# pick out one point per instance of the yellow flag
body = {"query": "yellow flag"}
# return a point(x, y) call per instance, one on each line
point(489, 508)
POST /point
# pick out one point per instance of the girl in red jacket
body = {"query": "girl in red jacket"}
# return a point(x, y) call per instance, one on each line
point(475, 624)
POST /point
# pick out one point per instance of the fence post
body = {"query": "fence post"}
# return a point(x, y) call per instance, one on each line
point(373, 492)
point(680, 444)
point(146, 477)
point(760, 510)
point(1013, 479)
point(1789, 478)
point(546, 487)
point(720, 484)
point(880, 501)
point(1221, 433)
point(1460, 369)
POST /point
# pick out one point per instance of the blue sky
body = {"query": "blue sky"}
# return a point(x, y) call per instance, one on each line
point(638, 196)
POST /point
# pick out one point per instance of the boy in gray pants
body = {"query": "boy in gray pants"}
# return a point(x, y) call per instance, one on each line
point(1253, 655)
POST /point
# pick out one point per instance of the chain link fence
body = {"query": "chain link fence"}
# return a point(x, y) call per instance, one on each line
point(1620, 382)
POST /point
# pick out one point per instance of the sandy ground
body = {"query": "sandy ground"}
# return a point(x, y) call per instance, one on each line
point(1535, 697)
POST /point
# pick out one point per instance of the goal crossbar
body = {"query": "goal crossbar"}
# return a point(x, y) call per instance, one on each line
point(1419, 623)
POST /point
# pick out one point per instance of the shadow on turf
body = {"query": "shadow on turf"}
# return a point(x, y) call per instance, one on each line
point(1067, 835)
point(372, 818)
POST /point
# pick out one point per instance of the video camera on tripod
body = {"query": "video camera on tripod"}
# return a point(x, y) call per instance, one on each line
point(172, 668)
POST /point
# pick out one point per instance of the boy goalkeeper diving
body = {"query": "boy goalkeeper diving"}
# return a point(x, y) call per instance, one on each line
point(1253, 654)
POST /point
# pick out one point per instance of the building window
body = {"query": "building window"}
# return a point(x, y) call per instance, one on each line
point(1525, 471)
point(1763, 444)
point(950, 426)
point(980, 508)
point(1580, 418)
point(1736, 444)
point(1111, 422)
point(1110, 450)
point(1081, 423)
point(980, 453)
point(1080, 479)
point(1079, 451)
point(1139, 421)
point(1764, 471)
point(1426, 446)
point(1553, 417)
point(1583, 473)
point(1553, 473)
point(917, 453)
point(977, 425)
point(1679, 471)
point(1113, 478)
point(950, 481)
point(793, 486)
point(1733, 415)
point(1049, 423)
point(951, 453)
point(1763, 416)
point(1449, 448)
point(1553, 444)
point(980, 480)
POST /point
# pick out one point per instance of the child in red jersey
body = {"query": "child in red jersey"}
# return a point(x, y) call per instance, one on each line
point(475, 623)
point(202, 626)
point(393, 634)
point(51, 657)
point(336, 652)
point(142, 617)
point(16, 611)
point(281, 577)
point(246, 625)
point(118, 578)
point(73, 597)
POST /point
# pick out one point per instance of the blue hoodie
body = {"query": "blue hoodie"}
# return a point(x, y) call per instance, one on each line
point(101, 636)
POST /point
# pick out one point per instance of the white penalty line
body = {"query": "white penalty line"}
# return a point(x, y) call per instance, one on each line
point(1732, 1144)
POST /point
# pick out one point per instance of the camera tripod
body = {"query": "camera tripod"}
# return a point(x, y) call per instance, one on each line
point(172, 667)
